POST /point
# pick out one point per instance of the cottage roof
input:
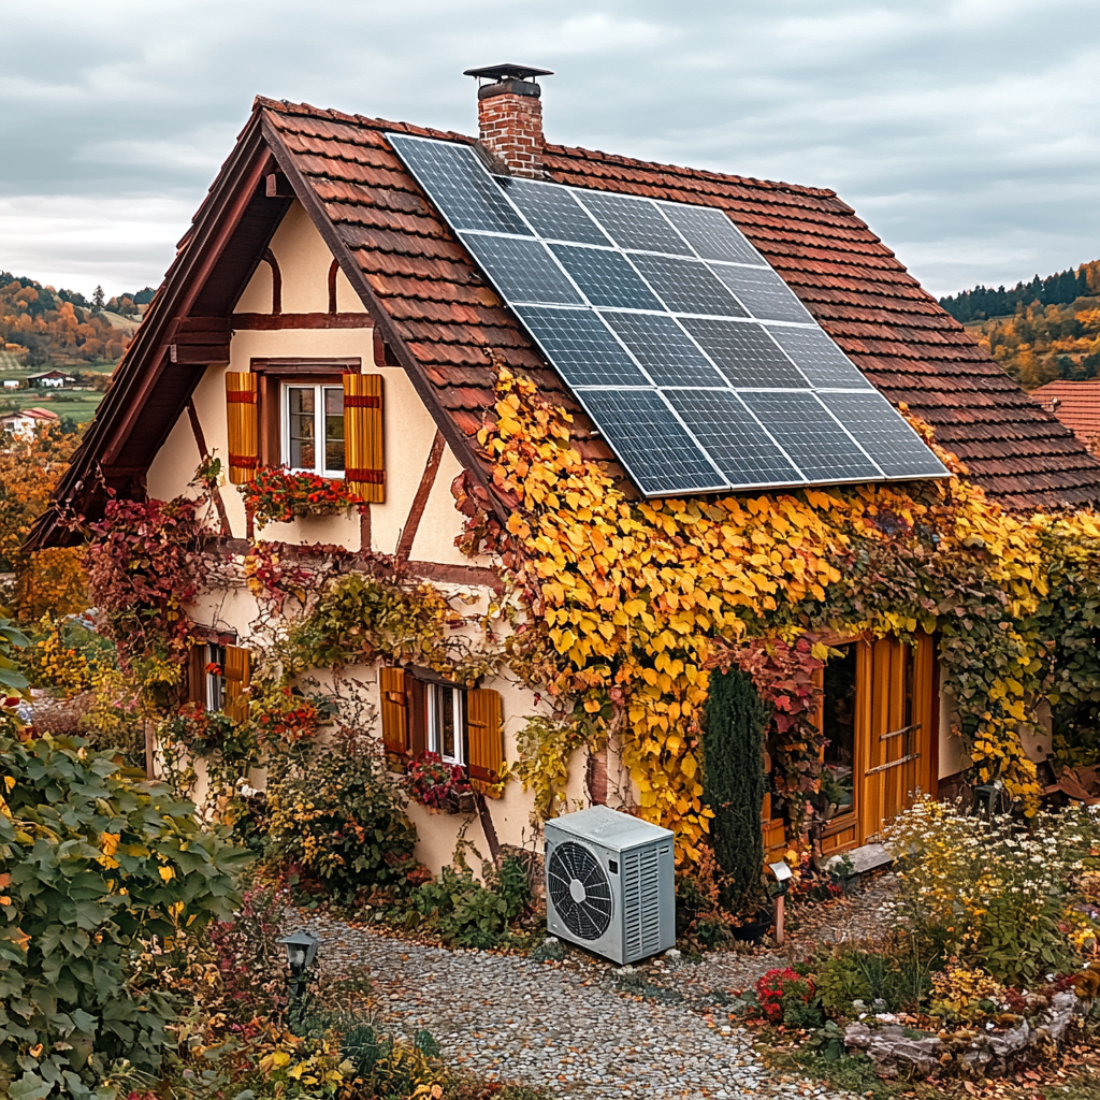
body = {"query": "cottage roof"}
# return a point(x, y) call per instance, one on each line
point(1077, 405)
point(441, 319)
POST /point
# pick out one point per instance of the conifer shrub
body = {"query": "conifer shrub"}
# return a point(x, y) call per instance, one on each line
point(733, 785)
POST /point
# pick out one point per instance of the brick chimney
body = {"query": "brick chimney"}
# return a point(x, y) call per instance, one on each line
point(510, 116)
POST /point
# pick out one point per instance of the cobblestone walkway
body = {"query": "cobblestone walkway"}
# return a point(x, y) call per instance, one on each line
point(579, 1027)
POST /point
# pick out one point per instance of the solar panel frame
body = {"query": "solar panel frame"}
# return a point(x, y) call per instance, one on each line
point(884, 434)
point(537, 202)
point(582, 347)
point(668, 355)
point(643, 430)
point(512, 263)
point(686, 286)
point(711, 233)
point(426, 159)
point(605, 277)
point(608, 347)
point(821, 447)
point(762, 292)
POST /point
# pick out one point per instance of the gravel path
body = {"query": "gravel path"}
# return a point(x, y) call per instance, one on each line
point(586, 1029)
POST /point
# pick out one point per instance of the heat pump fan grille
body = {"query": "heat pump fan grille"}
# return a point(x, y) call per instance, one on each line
point(579, 890)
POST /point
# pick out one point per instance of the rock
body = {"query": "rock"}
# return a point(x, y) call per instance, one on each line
point(550, 950)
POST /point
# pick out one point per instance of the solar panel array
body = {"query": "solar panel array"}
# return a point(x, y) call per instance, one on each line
point(693, 358)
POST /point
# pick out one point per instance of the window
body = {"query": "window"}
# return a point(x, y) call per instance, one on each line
point(214, 676)
point(446, 722)
point(838, 719)
point(312, 416)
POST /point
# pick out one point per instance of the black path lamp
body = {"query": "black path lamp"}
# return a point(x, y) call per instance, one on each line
point(301, 950)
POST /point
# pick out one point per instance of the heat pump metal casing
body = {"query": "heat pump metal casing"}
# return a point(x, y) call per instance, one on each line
point(638, 867)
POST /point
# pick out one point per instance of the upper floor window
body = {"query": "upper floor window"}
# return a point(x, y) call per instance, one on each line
point(312, 415)
point(446, 722)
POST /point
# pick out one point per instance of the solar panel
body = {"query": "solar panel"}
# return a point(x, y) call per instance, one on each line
point(819, 359)
point(664, 349)
point(711, 233)
point(578, 343)
point(651, 442)
point(745, 353)
point(884, 434)
point(818, 445)
point(687, 286)
point(695, 360)
point(733, 437)
point(762, 293)
point(605, 277)
point(459, 185)
point(521, 270)
point(634, 223)
point(553, 212)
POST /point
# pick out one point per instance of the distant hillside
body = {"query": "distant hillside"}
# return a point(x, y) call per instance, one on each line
point(40, 326)
point(1062, 289)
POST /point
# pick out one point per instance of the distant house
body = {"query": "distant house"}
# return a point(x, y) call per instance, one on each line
point(11, 384)
point(1077, 405)
point(24, 423)
point(51, 379)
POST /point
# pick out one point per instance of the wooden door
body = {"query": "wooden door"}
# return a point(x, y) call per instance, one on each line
point(893, 737)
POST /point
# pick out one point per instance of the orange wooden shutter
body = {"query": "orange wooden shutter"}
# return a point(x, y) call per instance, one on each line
point(244, 427)
point(392, 683)
point(237, 674)
point(364, 460)
point(485, 734)
point(196, 674)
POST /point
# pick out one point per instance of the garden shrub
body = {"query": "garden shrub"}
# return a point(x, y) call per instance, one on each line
point(340, 818)
point(895, 980)
point(786, 997)
point(468, 913)
point(992, 891)
point(94, 861)
point(733, 785)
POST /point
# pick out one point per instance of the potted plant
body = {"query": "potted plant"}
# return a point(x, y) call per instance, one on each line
point(278, 495)
point(439, 786)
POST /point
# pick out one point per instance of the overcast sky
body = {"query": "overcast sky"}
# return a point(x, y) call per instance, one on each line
point(966, 134)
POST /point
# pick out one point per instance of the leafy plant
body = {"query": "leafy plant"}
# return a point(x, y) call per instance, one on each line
point(93, 862)
point(340, 818)
point(468, 913)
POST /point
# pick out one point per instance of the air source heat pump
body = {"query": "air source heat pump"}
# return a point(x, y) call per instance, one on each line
point(610, 884)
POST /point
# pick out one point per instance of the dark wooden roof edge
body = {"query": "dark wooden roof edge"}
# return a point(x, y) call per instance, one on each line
point(137, 370)
point(457, 440)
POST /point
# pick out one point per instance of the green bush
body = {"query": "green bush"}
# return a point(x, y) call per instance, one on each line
point(899, 979)
point(94, 861)
point(733, 785)
point(469, 914)
point(340, 818)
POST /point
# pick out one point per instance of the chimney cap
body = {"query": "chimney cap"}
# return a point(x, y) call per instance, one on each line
point(505, 72)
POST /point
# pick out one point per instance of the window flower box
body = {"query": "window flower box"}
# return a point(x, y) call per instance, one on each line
point(442, 788)
point(279, 495)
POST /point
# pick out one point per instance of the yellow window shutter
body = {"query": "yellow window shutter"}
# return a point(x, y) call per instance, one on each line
point(395, 709)
point(237, 675)
point(244, 426)
point(196, 674)
point(485, 734)
point(364, 460)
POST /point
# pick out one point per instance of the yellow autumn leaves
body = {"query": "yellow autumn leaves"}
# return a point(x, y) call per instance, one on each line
point(633, 594)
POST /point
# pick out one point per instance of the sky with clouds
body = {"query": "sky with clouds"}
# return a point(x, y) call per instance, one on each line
point(965, 133)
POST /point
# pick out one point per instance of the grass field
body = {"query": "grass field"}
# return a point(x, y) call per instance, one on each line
point(80, 404)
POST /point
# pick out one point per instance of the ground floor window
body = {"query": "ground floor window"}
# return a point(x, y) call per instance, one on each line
point(446, 722)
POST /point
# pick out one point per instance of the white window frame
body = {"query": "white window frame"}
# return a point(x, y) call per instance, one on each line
point(215, 682)
point(319, 434)
point(436, 701)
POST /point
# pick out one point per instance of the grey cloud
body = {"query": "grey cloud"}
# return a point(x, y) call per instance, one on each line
point(963, 131)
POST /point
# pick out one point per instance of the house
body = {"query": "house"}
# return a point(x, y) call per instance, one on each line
point(323, 273)
point(1077, 405)
point(11, 383)
point(51, 379)
point(26, 422)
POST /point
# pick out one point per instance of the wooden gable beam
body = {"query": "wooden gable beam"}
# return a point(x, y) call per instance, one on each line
point(201, 341)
